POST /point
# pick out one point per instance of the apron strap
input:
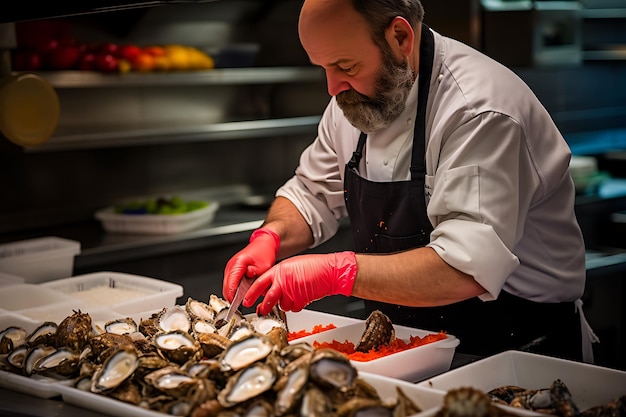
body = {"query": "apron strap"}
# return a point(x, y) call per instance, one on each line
point(588, 336)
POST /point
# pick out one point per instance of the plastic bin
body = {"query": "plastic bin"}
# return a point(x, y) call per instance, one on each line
point(40, 259)
point(117, 292)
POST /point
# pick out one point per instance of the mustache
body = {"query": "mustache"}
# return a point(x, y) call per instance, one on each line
point(352, 97)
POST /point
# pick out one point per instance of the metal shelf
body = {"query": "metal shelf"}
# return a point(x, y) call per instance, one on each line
point(223, 76)
point(167, 135)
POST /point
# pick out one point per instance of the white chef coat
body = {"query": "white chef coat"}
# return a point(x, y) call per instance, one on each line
point(498, 189)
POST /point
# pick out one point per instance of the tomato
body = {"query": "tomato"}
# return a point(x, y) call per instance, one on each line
point(129, 52)
point(87, 62)
point(106, 62)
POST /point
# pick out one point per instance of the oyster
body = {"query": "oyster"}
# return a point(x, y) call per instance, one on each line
point(290, 389)
point(121, 326)
point(127, 391)
point(203, 326)
point(150, 326)
point(35, 354)
point(11, 338)
point(17, 357)
point(315, 403)
point(119, 366)
point(174, 318)
point(245, 352)
point(217, 303)
point(199, 310)
point(213, 344)
point(178, 346)
point(378, 332)
point(44, 334)
point(75, 331)
point(332, 369)
point(170, 380)
point(63, 362)
point(104, 342)
point(247, 383)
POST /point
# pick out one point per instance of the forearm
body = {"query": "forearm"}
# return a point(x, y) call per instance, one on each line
point(417, 278)
point(285, 219)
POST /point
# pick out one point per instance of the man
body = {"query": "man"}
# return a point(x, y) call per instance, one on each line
point(455, 180)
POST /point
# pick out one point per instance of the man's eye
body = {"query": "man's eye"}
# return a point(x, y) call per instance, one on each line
point(347, 69)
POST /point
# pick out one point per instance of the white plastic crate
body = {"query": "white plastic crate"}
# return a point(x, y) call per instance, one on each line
point(40, 259)
point(118, 292)
point(590, 385)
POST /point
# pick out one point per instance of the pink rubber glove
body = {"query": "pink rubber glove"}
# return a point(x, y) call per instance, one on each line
point(253, 260)
point(296, 282)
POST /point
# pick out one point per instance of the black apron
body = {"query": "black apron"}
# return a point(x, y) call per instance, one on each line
point(391, 216)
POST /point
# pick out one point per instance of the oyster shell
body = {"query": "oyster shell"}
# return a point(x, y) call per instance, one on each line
point(102, 343)
point(150, 326)
point(199, 310)
point(170, 380)
point(247, 383)
point(203, 326)
point(291, 390)
point(217, 303)
point(63, 361)
point(213, 344)
point(245, 352)
point(178, 346)
point(121, 326)
point(332, 369)
point(17, 357)
point(119, 366)
point(378, 332)
point(35, 354)
point(75, 331)
point(11, 338)
point(44, 334)
point(174, 318)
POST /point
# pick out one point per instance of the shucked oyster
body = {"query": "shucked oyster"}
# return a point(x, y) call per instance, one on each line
point(248, 383)
point(44, 334)
point(10, 338)
point(174, 318)
point(63, 362)
point(329, 368)
point(121, 326)
point(178, 346)
point(116, 369)
point(246, 351)
point(199, 310)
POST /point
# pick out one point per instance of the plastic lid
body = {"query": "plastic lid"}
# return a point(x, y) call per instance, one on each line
point(29, 109)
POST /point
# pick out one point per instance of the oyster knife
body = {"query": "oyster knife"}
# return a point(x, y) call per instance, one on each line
point(242, 289)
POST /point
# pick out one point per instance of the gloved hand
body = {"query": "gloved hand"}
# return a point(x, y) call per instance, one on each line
point(253, 260)
point(295, 282)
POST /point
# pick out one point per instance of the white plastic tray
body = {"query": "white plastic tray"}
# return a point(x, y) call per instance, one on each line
point(590, 385)
point(156, 224)
point(411, 365)
point(307, 319)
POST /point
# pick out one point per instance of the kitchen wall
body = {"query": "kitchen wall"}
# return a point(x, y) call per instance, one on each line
point(55, 187)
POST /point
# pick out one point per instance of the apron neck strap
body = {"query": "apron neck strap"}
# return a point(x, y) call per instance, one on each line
point(418, 164)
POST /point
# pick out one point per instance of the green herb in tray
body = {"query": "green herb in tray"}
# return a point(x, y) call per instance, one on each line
point(173, 205)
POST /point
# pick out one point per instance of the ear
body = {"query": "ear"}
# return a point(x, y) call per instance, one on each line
point(400, 37)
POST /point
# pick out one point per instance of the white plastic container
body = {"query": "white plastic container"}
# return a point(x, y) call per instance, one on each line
point(306, 320)
point(118, 292)
point(156, 224)
point(8, 279)
point(589, 385)
point(24, 296)
point(40, 259)
point(410, 365)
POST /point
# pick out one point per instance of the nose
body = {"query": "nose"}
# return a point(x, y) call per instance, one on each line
point(336, 83)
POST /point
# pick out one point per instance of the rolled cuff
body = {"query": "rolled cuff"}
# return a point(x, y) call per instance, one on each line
point(475, 249)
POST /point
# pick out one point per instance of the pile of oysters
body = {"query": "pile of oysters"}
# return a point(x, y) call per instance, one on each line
point(186, 360)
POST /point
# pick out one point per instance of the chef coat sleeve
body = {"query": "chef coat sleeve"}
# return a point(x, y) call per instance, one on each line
point(479, 197)
point(316, 189)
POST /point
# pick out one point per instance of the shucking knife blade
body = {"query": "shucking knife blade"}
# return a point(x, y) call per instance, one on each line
point(242, 289)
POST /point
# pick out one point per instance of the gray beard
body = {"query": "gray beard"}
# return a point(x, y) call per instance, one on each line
point(393, 86)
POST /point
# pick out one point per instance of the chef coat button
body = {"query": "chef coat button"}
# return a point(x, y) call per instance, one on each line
point(440, 77)
point(385, 161)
